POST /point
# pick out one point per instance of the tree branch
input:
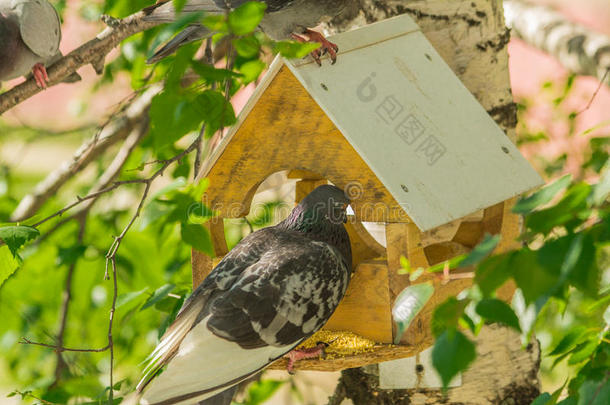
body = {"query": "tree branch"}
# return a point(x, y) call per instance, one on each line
point(114, 247)
point(26, 341)
point(111, 255)
point(92, 52)
point(113, 170)
point(61, 364)
point(578, 48)
point(109, 135)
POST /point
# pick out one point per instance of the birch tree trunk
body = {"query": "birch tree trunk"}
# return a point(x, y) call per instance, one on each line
point(471, 36)
point(578, 48)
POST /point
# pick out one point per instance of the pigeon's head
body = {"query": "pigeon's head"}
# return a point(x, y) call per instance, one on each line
point(325, 203)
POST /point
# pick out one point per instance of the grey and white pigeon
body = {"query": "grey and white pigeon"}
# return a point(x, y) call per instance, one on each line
point(283, 19)
point(273, 290)
point(30, 32)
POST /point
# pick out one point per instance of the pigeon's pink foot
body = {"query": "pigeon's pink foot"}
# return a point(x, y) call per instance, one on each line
point(326, 46)
point(300, 354)
point(40, 75)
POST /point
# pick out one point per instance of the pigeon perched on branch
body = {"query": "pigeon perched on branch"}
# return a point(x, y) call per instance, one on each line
point(284, 19)
point(30, 32)
point(274, 289)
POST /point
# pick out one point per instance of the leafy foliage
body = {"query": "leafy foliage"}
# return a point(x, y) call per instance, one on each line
point(573, 237)
point(153, 262)
point(564, 262)
point(17, 235)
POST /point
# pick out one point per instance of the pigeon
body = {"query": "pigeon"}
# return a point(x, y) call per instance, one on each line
point(272, 291)
point(30, 32)
point(284, 19)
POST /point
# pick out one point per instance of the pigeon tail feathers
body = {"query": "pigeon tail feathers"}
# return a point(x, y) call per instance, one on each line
point(189, 34)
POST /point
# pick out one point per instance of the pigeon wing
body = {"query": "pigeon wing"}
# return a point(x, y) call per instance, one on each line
point(282, 299)
point(269, 308)
point(244, 254)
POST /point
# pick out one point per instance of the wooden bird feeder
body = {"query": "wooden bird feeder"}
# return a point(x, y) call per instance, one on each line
point(392, 125)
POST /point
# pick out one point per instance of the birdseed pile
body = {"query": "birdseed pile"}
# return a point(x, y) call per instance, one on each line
point(341, 344)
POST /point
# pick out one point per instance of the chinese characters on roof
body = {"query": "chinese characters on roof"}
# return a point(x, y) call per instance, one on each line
point(403, 123)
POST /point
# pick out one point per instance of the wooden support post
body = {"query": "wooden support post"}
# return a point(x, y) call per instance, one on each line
point(396, 246)
point(404, 239)
point(365, 309)
point(202, 266)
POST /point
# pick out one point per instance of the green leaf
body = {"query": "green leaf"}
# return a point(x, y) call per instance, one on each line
point(493, 272)
point(176, 184)
point(168, 304)
point(451, 264)
point(8, 264)
point(247, 47)
point(408, 304)
point(171, 117)
point(404, 263)
point(452, 353)
point(119, 8)
point(245, 18)
point(601, 191)
point(447, 315)
point(126, 298)
point(179, 4)
point(172, 316)
point(569, 341)
point(417, 273)
point(261, 391)
point(199, 213)
point(115, 401)
point(571, 256)
point(198, 237)
point(573, 206)
point(215, 110)
point(68, 256)
point(216, 23)
point(584, 273)
point(595, 392)
point(534, 280)
point(212, 74)
point(495, 310)
point(251, 70)
point(542, 196)
point(583, 351)
point(607, 316)
point(17, 236)
point(293, 49)
point(466, 322)
point(158, 295)
point(196, 190)
point(552, 399)
point(542, 399)
point(481, 251)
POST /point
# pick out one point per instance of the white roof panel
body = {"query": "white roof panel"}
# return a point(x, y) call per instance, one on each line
point(415, 124)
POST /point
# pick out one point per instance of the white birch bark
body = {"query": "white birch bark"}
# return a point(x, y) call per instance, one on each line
point(472, 38)
point(578, 48)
